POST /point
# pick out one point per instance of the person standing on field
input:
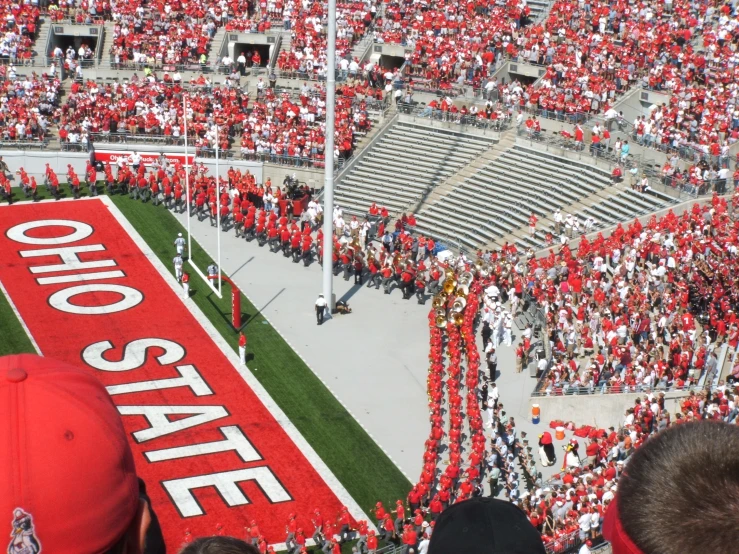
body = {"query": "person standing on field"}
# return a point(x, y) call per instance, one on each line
point(320, 309)
point(177, 261)
point(179, 243)
point(185, 285)
point(242, 348)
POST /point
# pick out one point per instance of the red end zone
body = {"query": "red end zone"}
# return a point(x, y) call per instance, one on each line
point(211, 452)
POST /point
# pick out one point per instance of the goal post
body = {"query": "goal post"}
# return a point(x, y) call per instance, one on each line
point(215, 287)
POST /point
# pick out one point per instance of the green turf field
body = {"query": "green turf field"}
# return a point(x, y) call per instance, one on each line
point(359, 464)
point(13, 338)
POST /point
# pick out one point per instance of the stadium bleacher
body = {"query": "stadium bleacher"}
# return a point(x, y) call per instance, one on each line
point(404, 165)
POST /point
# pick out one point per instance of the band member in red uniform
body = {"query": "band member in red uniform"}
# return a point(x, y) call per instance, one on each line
point(358, 269)
point(406, 282)
point(295, 240)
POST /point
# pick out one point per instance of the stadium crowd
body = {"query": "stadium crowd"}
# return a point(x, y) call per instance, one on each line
point(19, 31)
point(307, 54)
point(270, 125)
point(28, 107)
point(645, 306)
point(592, 52)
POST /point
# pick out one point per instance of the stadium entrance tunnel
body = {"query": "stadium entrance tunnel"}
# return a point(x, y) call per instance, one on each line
point(248, 50)
point(391, 62)
point(63, 40)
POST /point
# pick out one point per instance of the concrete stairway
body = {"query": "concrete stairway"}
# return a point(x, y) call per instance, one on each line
point(39, 53)
point(107, 41)
point(361, 48)
point(287, 41)
point(539, 9)
point(214, 50)
point(405, 165)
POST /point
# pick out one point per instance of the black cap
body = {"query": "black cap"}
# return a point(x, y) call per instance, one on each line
point(485, 526)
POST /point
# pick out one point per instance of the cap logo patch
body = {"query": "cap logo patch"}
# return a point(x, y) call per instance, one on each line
point(23, 538)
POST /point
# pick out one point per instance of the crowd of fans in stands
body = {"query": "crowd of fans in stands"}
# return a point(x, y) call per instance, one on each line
point(307, 55)
point(19, 30)
point(28, 107)
point(644, 307)
point(273, 126)
point(592, 51)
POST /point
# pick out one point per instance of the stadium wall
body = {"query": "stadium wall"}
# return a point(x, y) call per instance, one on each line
point(598, 410)
point(33, 161)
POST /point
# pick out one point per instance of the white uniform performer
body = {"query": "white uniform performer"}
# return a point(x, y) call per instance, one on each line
point(177, 261)
point(507, 325)
point(179, 243)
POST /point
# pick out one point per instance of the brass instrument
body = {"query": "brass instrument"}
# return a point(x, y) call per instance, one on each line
point(441, 321)
point(459, 304)
point(455, 318)
point(449, 273)
point(449, 286)
point(438, 302)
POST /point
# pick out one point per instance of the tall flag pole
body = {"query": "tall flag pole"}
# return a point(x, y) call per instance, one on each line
point(187, 180)
point(328, 187)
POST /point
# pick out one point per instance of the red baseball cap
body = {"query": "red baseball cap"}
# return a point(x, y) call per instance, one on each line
point(69, 481)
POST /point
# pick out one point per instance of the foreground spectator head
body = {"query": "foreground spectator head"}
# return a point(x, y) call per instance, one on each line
point(687, 473)
point(219, 545)
point(485, 526)
point(69, 484)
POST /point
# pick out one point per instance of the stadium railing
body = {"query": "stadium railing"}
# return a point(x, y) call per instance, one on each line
point(563, 544)
point(611, 389)
point(422, 113)
point(24, 144)
point(639, 162)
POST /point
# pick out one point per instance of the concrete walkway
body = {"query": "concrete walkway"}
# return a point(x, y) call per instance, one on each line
point(374, 360)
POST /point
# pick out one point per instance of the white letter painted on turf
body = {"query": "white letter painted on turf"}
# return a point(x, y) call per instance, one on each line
point(18, 233)
point(189, 377)
point(134, 354)
point(60, 299)
point(235, 440)
point(68, 254)
point(160, 424)
point(180, 490)
point(80, 277)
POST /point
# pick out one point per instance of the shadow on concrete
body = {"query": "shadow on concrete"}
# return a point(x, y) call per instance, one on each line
point(241, 267)
point(262, 308)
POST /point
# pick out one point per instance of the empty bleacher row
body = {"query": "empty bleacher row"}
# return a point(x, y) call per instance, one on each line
point(624, 206)
point(404, 165)
point(497, 201)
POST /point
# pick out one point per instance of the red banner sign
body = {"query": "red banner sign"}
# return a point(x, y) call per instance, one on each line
point(213, 448)
point(147, 158)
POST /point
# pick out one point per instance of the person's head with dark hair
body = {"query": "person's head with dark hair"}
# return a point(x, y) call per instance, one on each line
point(679, 493)
point(219, 545)
point(69, 483)
point(483, 525)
